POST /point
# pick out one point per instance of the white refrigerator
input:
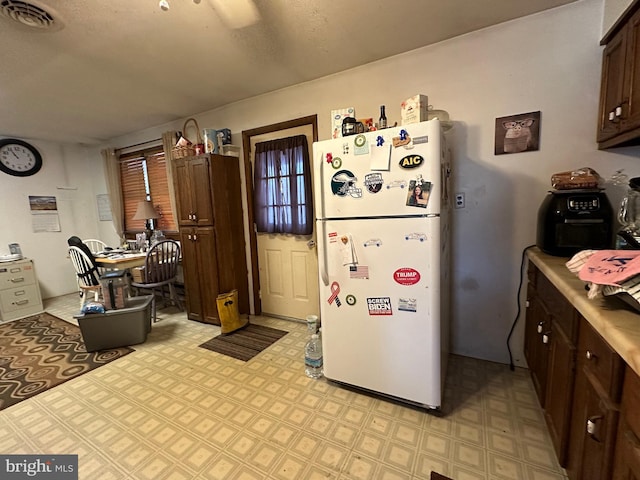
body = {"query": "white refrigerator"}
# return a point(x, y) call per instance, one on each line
point(382, 205)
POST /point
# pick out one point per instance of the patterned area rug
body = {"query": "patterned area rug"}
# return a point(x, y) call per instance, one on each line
point(246, 343)
point(42, 351)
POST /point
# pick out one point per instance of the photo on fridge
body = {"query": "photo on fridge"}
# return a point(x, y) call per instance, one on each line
point(419, 192)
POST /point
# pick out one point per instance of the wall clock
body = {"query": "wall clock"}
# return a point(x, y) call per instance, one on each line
point(19, 158)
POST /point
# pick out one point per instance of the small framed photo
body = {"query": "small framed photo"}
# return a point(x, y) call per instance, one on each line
point(419, 192)
point(517, 133)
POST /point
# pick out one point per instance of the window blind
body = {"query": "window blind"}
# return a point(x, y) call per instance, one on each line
point(143, 176)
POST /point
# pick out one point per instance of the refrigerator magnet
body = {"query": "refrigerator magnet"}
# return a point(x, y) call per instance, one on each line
point(361, 145)
point(402, 140)
point(373, 182)
point(343, 183)
point(379, 306)
point(373, 242)
point(359, 272)
point(335, 290)
point(421, 237)
point(406, 276)
point(407, 305)
point(397, 184)
point(411, 161)
point(350, 299)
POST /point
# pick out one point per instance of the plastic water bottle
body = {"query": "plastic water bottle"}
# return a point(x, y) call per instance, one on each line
point(313, 357)
point(312, 324)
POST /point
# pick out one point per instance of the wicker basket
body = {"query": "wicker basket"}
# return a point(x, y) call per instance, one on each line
point(188, 150)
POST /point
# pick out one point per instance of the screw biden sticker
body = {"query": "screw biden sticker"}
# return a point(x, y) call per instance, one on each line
point(379, 306)
point(406, 276)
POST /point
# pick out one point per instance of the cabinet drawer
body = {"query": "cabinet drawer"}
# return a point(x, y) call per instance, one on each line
point(563, 313)
point(600, 360)
point(19, 298)
point(16, 274)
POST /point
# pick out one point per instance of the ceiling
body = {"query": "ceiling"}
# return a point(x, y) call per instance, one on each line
point(108, 68)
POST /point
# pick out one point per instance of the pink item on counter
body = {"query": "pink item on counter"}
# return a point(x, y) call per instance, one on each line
point(611, 267)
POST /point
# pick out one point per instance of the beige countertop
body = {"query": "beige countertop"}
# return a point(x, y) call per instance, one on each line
point(615, 321)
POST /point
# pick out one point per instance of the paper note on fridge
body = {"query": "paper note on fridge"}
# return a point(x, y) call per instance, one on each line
point(380, 157)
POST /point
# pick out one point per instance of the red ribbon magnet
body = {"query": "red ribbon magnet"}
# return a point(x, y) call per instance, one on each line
point(335, 290)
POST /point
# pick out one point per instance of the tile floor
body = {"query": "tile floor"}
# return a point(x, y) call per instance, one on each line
point(172, 410)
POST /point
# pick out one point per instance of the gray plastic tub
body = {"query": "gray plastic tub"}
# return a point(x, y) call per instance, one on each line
point(117, 328)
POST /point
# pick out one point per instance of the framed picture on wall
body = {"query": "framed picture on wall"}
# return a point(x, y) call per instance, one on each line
point(517, 133)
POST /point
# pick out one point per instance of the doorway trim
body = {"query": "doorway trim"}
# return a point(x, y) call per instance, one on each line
point(311, 120)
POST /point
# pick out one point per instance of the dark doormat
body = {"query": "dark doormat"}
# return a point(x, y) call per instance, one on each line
point(246, 343)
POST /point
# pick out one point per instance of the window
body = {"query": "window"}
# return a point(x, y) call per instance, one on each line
point(282, 184)
point(143, 176)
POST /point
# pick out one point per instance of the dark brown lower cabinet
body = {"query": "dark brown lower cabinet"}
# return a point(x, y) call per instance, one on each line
point(596, 407)
point(627, 456)
point(578, 378)
point(200, 268)
point(550, 336)
point(559, 391)
point(536, 349)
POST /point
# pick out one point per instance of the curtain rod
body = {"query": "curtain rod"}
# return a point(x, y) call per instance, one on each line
point(155, 142)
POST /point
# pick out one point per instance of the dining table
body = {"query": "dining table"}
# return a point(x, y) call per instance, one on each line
point(121, 261)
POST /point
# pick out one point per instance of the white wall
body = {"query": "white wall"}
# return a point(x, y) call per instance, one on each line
point(74, 176)
point(613, 9)
point(548, 62)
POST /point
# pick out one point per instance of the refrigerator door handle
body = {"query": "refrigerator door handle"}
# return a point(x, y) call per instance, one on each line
point(323, 253)
point(320, 203)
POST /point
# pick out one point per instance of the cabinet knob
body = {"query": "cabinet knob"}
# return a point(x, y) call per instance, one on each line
point(619, 111)
point(592, 426)
point(612, 116)
point(590, 355)
point(545, 338)
point(539, 328)
point(17, 280)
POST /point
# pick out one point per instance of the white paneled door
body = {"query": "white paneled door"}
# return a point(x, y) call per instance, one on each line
point(288, 264)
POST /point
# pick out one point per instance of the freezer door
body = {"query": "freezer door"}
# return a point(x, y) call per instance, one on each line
point(366, 175)
point(380, 305)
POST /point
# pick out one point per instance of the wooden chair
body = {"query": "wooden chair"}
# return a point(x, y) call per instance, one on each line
point(160, 269)
point(94, 245)
point(86, 273)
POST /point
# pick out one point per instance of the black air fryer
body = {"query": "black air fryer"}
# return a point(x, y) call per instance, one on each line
point(574, 220)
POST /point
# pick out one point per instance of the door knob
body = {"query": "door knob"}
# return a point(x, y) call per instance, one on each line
point(311, 243)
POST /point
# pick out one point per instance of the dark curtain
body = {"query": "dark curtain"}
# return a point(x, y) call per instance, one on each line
point(282, 186)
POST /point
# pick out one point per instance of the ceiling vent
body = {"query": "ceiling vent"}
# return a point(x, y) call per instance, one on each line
point(29, 15)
